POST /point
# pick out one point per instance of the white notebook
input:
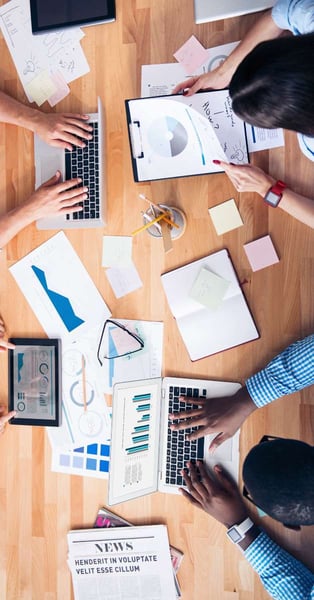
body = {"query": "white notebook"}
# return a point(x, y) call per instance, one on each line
point(205, 330)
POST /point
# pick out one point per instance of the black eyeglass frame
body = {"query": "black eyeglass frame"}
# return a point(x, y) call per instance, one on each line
point(136, 337)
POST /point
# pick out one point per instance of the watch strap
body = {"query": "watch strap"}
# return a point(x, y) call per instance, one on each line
point(240, 530)
point(277, 189)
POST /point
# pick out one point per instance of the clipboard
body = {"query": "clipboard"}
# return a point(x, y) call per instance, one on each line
point(179, 136)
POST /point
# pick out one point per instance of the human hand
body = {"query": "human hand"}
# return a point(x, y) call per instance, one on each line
point(63, 130)
point(4, 345)
point(5, 418)
point(53, 198)
point(218, 496)
point(215, 80)
point(247, 178)
point(223, 416)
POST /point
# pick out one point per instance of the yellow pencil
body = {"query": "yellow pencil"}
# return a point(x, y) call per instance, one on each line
point(84, 383)
point(149, 224)
point(172, 223)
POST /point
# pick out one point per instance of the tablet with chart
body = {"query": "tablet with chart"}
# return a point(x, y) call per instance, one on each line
point(180, 136)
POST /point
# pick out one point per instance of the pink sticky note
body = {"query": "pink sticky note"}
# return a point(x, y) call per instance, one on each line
point(261, 253)
point(191, 55)
point(62, 88)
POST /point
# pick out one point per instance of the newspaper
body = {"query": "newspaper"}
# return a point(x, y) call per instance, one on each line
point(115, 564)
point(106, 518)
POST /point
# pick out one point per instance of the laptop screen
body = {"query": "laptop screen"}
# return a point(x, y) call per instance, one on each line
point(51, 14)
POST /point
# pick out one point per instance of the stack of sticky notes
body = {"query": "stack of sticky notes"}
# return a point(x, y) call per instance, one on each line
point(261, 253)
point(225, 217)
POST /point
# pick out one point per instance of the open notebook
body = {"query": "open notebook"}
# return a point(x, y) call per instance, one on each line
point(225, 321)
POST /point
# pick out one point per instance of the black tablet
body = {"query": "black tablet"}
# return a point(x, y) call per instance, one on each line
point(54, 14)
point(35, 382)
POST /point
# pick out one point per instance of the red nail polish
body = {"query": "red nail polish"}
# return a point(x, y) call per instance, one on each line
point(216, 162)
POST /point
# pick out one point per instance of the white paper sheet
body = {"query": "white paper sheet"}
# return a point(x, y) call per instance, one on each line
point(56, 51)
point(59, 290)
point(263, 139)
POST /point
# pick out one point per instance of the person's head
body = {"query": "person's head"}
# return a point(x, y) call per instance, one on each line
point(274, 85)
point(279, 476)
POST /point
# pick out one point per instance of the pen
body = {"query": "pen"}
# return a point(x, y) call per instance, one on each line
point(149, 224)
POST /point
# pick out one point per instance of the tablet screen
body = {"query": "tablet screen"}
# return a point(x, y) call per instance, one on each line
point(51, 14)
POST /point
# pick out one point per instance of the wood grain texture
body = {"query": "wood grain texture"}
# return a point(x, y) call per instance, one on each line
point(38, 506)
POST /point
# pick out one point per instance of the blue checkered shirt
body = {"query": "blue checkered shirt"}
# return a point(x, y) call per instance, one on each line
point(284, 577)
point(290, 371)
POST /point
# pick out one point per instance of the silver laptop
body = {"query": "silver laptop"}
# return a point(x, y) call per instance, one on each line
point(208, 10)
point(87, 163)
point(146, 455)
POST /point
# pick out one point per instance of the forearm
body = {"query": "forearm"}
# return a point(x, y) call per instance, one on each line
point(264, 29)
point(16, 113)
point(281, 574)
point(12, 223)
point(298, 206)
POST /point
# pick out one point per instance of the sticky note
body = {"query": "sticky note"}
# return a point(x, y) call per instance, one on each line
point(209, 289)
point(41, 87)
point(123, 281)
point(191, 55)
point(261, 253)
point(62, 88)
point(117, 251)
point(225, 217)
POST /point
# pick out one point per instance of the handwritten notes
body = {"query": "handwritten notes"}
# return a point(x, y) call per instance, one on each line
point(209, 289)
point(191, 55)
point(225, 216)
point(261, 253)
point(53, 52)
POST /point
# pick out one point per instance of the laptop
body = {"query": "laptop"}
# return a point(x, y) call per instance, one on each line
point(87, 163)
point(206, 10)
point(146, 455)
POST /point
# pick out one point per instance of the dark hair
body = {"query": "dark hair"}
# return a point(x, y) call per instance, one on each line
point(279, 476)
point(274, 85)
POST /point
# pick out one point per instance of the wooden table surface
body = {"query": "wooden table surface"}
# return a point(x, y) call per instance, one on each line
point(38, 506)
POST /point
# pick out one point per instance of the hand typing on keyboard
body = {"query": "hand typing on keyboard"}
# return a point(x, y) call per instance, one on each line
point(222, 416)
point(62, 130)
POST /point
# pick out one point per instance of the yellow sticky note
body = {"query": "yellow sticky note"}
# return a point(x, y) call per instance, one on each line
point(225, 216)
point(41, 87)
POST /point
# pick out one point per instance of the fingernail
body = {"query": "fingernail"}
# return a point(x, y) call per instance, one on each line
point(216, 162)
point(218, 468)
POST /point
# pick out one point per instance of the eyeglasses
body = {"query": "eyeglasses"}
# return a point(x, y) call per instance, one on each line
point(117, 341)
point(245, 492)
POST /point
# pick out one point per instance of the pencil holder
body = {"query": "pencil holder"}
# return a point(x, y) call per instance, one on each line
point(176, 215)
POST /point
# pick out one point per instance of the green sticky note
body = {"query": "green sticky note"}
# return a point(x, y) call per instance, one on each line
point(209, 289)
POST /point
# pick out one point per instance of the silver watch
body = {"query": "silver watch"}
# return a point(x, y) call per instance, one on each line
point(236, 533)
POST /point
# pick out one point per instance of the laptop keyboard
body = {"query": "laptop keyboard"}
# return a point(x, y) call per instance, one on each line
point(179, 449)
point(84, 163)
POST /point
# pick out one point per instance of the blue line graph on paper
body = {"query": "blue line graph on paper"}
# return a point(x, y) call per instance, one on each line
point(61, 303)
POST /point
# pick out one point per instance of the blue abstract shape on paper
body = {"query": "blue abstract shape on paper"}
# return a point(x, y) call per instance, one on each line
point(61, 303)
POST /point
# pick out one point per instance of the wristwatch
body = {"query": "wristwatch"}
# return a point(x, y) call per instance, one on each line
point(274, 194)
point(236, 533)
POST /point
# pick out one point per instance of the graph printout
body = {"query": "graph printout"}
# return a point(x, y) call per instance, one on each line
point(59, 289)
point(134, 440)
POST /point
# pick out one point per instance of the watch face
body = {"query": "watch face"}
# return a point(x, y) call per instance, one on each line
point(272, 198)
point(234, 535)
